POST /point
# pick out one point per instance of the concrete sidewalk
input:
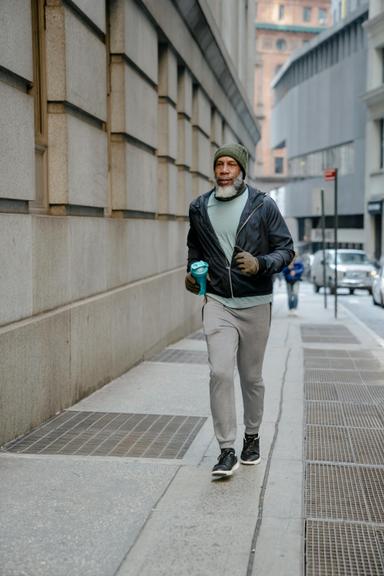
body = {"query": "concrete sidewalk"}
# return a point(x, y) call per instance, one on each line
point(84, 501)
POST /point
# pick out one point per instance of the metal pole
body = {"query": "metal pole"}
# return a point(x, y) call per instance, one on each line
point(336, 227)
point(323, 242)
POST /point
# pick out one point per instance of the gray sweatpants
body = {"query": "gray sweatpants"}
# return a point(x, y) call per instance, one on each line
point(235, 334)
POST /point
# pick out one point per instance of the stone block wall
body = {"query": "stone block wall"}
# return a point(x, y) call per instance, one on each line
point(110, 117)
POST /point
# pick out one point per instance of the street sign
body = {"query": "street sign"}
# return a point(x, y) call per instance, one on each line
point(330, 174)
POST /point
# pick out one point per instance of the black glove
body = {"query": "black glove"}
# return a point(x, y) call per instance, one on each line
point(248, 264)
point(191, 284)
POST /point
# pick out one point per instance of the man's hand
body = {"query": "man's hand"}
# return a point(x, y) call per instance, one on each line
point(248, 264)
point(191, 284)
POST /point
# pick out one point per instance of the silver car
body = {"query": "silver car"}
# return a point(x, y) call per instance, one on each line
point(378, 288)
point(354, 270)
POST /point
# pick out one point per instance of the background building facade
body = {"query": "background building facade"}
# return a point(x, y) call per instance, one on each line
point(320, 118)
point(374, 99)
point(110, 113)
point(343, 8)
point(281, 28)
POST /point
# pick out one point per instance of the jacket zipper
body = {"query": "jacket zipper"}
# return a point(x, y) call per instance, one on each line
point(238, 232)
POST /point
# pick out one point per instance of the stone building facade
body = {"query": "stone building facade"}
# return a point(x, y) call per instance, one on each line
point(110, 112)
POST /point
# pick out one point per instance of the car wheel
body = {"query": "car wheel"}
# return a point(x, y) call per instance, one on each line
point(316, 288)
point(351, 290)
point(370, 291)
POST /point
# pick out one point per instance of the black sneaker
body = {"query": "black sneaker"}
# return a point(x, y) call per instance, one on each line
point(251, 449)
point(227, 463)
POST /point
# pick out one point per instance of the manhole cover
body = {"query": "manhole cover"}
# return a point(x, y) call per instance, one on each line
point(112, 434)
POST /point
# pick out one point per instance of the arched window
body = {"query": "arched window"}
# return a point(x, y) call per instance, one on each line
point(281, 44)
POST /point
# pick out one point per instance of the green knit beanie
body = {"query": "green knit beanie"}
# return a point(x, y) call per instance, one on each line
point(235, 151)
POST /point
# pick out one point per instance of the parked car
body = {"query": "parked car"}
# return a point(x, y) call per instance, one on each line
point(378, 288)
point(354, 270)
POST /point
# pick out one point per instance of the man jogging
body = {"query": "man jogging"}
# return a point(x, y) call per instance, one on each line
point(241, 234)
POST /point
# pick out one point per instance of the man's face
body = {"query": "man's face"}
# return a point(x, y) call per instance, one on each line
point(226, 171)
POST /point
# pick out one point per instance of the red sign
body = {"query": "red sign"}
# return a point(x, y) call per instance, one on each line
point(330, 174)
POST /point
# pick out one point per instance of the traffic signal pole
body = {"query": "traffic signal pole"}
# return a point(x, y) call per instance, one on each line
point(323, 245)
point(331, 175)
point(336, 224)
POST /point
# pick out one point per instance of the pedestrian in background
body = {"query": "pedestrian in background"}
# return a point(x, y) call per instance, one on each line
point(240, 232)
point(293, 274)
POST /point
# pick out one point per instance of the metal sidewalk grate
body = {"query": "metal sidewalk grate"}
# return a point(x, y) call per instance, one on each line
point(353, 394)
point(342, 550)
point(343, 414)
point(317, 391)
point(372, 480)
point(370, 369)
point(112, 434)
point(362, 364)
point(181, 356)
point(329, 333)
point(336, 376)
point(344, 452)
point(374, 377)
point(362, 416)
point(329, 363)
point(368, 446)
point(377, 394)
point(326, 413)
point(329, 444)
point(332, 353)
point(335, 492)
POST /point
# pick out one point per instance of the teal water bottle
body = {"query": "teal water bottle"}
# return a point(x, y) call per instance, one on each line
point(199, 271)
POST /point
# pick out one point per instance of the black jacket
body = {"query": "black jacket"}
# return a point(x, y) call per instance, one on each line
point(262, 231)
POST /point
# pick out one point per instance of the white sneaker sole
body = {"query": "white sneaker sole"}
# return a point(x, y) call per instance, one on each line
point(250, 462)
point(225, 473)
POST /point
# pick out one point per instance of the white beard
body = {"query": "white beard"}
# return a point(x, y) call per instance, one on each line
point(229, 191)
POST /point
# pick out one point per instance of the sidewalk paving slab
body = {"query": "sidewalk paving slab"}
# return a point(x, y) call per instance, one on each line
point(110, 516)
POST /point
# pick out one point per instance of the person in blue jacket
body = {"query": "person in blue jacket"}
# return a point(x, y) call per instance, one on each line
point(293, 274)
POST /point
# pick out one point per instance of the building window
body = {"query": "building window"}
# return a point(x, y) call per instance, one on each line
point(322, 16)
point(281, 44)
point(381, 143)
point(281, 11)
point(279, 165)
point(307, 11)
